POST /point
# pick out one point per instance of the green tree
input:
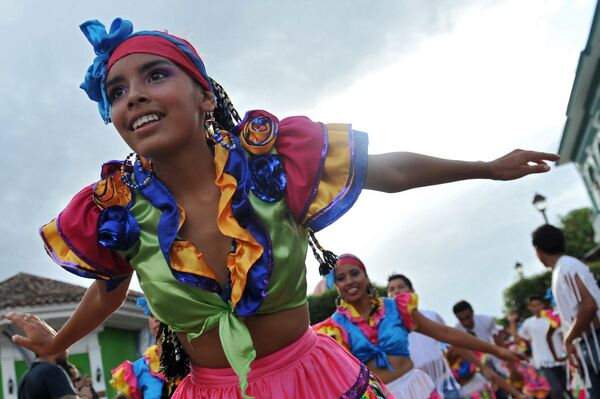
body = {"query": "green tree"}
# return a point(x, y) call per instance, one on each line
point(578, 231)
point(517, 295)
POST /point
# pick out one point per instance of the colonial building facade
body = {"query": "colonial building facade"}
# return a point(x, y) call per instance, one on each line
point(580, 141)
point(122, 337)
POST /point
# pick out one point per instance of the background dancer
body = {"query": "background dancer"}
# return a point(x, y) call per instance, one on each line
point(376, 331)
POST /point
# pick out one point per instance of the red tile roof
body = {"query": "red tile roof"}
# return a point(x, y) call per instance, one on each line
point(25, 289)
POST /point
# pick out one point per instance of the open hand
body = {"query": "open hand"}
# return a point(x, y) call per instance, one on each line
point(519, 163)
point(39, 336)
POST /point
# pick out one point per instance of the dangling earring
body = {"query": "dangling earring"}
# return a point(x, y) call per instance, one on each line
point(216, 135)
point(338, 301)
point(126, 177)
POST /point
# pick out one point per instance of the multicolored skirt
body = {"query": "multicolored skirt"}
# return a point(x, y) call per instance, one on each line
point(415, 384)
point(315, 366)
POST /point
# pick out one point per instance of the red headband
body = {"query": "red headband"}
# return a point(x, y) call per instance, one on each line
point(162, 47)
point(352, 259)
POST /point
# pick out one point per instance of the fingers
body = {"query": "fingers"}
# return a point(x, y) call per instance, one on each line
point(538, 168)
point(19, 319)
point(23, 341)
point(536, 155)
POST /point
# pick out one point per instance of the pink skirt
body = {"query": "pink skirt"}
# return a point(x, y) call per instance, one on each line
point(315, 366)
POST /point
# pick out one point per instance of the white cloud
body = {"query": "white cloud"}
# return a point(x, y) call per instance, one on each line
point(496, 81)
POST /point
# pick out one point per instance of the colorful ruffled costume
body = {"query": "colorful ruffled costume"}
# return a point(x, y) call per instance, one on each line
point(531, 383)
point(140, 379)
point(279, 181)
point(384, 333)
point(473, 384)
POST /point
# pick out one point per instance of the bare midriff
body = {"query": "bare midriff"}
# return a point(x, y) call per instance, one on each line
point(401, 366)
point(269, 332)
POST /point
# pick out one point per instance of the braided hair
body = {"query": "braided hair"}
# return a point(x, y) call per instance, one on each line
point(174, 362)
point(374, 294)
point(225, 113)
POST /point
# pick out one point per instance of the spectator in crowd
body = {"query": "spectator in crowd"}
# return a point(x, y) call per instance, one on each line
point(47, 378)
point(577, 297)
point(541, 331)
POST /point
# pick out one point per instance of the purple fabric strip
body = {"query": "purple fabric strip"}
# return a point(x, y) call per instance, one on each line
point(360, 386)
point(353, 187)
point(259, 274)
point(79, 270)
point(100, 269)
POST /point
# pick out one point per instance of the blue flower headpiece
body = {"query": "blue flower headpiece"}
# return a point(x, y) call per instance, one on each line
point(105, 43)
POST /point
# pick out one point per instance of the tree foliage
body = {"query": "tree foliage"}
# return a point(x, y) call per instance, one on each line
point(578, 231)
point(579, 239)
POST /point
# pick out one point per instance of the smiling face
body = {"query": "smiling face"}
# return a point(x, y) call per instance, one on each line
point(157, 108)
point(351, 282)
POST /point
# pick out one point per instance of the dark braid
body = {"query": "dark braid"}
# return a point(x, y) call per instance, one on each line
point(374, 294)
point(225, 114)
point(174, 362)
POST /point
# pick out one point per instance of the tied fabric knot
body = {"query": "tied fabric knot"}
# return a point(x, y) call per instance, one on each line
point(117, 228)
point(103, 43)
point(235, 340)
point(381, 359)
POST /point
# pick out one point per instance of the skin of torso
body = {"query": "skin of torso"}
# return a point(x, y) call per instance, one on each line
point(269, 332)
point(401, 366)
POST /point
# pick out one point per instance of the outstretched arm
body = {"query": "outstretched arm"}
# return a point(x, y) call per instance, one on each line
point(398, 171)
point(96, 305)
point(459, 338)
point(488, 373)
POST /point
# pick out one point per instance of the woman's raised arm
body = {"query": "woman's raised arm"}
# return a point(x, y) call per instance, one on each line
point(399, 171)
point(96, 305)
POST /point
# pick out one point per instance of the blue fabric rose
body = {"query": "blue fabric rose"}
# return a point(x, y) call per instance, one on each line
point(117, 228)
point(268, 178)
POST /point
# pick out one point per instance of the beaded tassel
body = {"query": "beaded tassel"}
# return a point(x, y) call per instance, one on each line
point(328, 261)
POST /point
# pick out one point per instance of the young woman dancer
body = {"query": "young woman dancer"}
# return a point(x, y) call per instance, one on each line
point(376, 331)
point(215, 215)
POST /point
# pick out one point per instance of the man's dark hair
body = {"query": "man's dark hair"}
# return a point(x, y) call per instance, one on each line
point(536, 298)
point(461, 306)
point(402, 277)
point(549, 239)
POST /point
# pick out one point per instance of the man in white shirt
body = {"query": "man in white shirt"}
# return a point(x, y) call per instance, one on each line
point(481, 326)
point(484, 328)
point(546, 346)
point(577, 297)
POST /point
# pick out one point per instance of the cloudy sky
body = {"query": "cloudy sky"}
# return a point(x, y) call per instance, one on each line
point(459, 79)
